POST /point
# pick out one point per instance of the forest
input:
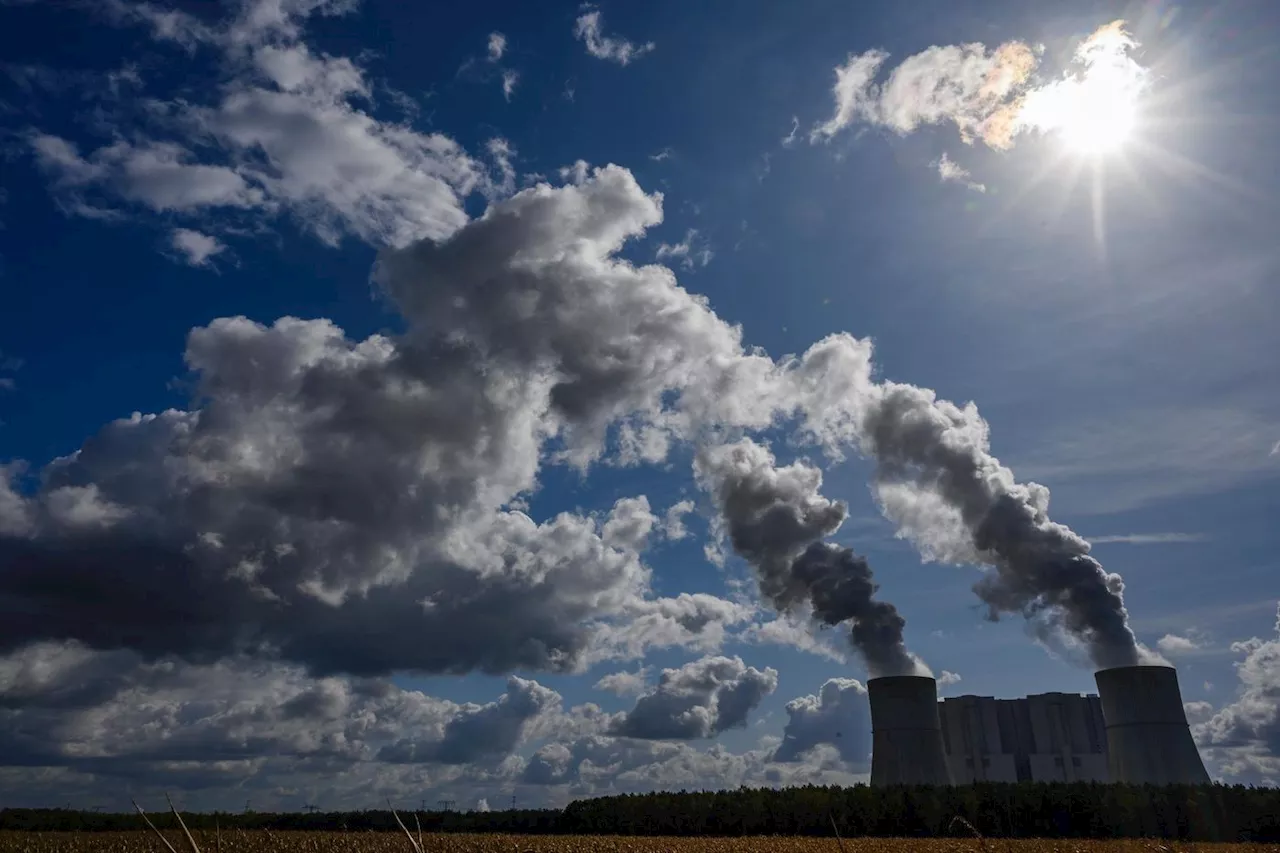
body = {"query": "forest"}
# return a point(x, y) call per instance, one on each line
point(1035, 810)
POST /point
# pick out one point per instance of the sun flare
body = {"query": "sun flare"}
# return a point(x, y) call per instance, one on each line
point(1095, 108)
point(1100, 116)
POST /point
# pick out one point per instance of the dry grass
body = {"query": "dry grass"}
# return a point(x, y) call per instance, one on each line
point(370, 842)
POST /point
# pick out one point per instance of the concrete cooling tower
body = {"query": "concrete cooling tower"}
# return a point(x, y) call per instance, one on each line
point(906, 735)
point(1148, 740)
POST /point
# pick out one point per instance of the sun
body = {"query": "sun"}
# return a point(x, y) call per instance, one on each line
point(1093, 109)
point(1099, 116)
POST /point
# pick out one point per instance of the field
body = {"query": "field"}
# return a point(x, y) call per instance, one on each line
point(369, 842)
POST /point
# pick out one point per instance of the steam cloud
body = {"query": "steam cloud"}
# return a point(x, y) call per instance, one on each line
point(776, 519)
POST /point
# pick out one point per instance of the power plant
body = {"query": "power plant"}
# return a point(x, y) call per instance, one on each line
point(1148, 739)
point(1135, 730)
point(1051, 737)
point(906, 734)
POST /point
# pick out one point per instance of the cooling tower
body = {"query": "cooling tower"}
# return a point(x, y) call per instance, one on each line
point(906, 736)
point(1148, 740)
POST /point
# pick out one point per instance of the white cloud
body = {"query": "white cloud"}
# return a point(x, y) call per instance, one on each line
point(1175, 645)
point(789, 631)
point(948, 678)
point(790, 139)
point(852, 93)
point(673, 523)
point(950, 170)
point(288, 130)
point(989, 95)
point(1243, 736)
point(588, 29)
point(497, 46)
point(625, 683)
point(839, 716)
point(193, 247)
point(509, 80)
point(690, 252)
point(159, 175)
point(664, 154)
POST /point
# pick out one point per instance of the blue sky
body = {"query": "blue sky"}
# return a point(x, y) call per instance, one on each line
point(543, 339)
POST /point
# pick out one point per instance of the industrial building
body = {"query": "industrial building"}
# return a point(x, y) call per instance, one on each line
point(1135, 730)
point(1050, 737)
point(1148, 739)
point(906, 735)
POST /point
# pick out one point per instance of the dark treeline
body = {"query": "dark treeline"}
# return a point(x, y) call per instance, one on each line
point(1207, 813)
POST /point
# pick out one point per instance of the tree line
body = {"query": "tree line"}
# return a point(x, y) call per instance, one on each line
point(1042, 810)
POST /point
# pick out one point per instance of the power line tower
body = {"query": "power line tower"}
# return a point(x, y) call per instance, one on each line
point(513, 802)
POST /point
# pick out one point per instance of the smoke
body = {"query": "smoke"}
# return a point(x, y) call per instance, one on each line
point(841, 590)
point(936, 478)
point(776, 519)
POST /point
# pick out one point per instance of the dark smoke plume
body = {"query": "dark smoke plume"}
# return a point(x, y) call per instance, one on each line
point(937, 479)
point(841, 590)
point(776, 519)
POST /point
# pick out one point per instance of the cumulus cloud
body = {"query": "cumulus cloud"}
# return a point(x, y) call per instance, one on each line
point(598, 765)
point(948, 678)
point(477, 732)
point(839, 716)
point(119, 717)
point(1244, 735)
point(195, 248)
point(698, 700)
point(989, 95)
point(589, 30)
point(336, 502)
point(1174, 645)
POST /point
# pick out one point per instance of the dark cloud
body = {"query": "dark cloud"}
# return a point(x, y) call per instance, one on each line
point(700, 699)
point(839, 716)
point(339, 503)
point(478, 732)
point(113, 714)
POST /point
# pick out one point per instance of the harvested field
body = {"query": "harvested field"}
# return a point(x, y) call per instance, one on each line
point(371, 842)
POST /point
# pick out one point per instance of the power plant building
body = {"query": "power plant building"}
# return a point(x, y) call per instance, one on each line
point(1050, 737)
point(1135, 731)
point(906, 736)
